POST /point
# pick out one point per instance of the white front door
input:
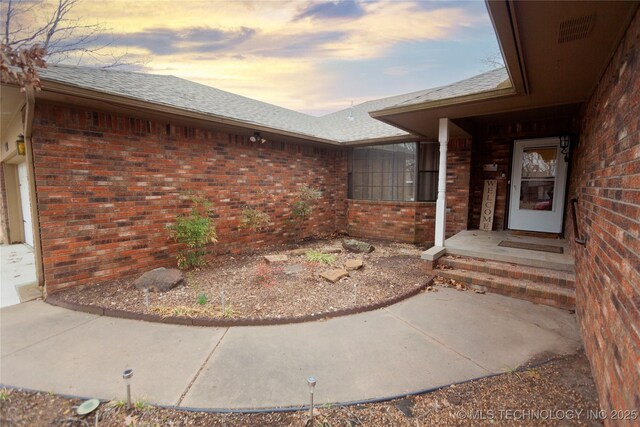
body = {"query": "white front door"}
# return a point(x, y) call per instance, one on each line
point(25, 201)
point(538, 184)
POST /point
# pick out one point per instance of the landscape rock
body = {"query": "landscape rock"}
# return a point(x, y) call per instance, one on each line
point(298, 252)
point(293, 269)
point(334, 275)
point(160, 280)
point(331, 250)
point(353, 264)
point(276, 258)
point(357, 246)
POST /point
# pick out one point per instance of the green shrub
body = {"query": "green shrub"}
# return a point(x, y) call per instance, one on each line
point(254, 219)
point(305, 200)
point(315, 256)
point(203, 299)
point(195, 230)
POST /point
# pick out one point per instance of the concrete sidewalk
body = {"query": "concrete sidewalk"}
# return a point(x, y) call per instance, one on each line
point(430, 340)
point(18, 280)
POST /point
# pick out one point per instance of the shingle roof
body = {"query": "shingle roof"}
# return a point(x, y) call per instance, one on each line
point(348, 125)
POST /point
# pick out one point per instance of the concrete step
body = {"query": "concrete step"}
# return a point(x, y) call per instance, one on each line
point(536, 292)
point(563, 279)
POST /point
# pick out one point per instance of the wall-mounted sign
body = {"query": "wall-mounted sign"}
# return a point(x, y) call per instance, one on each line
point(491, 167)
point(488, 204)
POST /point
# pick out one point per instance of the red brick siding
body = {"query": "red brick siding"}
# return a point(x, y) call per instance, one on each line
point(458, 177)
point(606, 179)
point(108, 184)
point(493, 144)
point(398, 221)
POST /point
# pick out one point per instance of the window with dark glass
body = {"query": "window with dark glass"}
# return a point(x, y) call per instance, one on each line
point(388, 172)
point(428, 172)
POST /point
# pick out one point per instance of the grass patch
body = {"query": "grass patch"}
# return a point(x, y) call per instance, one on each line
point(319, 257)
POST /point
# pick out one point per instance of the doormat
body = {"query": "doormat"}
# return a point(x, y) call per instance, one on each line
point(531, 246)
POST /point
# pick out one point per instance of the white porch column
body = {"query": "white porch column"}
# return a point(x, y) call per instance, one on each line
point(441, 204)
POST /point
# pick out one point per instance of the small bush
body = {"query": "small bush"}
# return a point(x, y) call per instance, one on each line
point(319, 257)
point(203, 299)
point(305, 200)
point(265, 275)
point(254, 219)
point(195, 230)
point(228, 312)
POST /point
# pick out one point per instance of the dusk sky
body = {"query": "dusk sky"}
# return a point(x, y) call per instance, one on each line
point(314, 57)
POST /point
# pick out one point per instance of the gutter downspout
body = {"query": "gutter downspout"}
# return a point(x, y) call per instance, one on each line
point(35, 219)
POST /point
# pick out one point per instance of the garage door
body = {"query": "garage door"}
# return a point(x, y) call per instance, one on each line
point(23, 182)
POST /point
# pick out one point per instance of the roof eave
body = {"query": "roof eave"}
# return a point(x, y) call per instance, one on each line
point(448, 102)
point(50, 86)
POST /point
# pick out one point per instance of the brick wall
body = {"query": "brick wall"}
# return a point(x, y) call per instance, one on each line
point(107, 185)
point(411, 222)
point(606, 179)
point(414, 222)
point(493, 144)
point(458, 181)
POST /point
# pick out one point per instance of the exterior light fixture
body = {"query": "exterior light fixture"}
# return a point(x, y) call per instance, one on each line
point(565, 142)
point(126, 375)
point(311, 382)
point(21, 146)
point(257, 138)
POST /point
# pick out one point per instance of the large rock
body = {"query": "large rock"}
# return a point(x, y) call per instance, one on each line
point(353, 264)
point(161, 279)
point(275, 258)
point(357, 246)
point(334, 275)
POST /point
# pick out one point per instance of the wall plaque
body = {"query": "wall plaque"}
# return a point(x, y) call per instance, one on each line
point(488, 204)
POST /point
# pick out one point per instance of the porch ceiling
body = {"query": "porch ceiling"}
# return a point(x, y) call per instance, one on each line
point(555, 52)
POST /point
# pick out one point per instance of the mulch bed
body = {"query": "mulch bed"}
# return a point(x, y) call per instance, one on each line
point(546, 395)
point(258, 292)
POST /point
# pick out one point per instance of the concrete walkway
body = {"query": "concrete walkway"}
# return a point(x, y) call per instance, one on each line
point(17, 275)
point(430, 340)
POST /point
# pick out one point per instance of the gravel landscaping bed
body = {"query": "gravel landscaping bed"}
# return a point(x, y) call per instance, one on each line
point(249, 287)
point(546, 395)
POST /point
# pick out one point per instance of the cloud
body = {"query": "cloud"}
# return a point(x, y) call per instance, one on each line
point(166, 41)
point(332, 10)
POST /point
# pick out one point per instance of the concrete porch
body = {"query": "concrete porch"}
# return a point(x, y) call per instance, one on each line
point(484, 245)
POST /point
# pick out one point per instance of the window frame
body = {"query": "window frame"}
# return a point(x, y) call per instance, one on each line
point(417, 171)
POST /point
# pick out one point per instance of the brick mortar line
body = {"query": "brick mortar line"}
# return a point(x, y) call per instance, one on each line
point(411, 325)
point(195, 377)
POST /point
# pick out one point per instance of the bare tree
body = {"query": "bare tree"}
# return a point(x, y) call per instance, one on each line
point(62, 36)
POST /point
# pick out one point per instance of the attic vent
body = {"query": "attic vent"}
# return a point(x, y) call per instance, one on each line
point(576, 28)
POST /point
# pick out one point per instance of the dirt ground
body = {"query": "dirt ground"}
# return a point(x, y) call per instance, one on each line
point(254, 288)
point(559, 392)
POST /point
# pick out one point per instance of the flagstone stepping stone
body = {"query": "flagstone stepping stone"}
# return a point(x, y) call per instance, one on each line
point(298, 252)
point(276, 258)
point(334, 275)
point(357, 246)
point(353, 264)
point(293, 269)
point(161, 279)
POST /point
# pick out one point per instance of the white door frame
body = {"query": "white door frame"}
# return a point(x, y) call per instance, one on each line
point(547, 221)
point(25, 203)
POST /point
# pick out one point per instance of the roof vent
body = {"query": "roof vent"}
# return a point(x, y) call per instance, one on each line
point(576, 28)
